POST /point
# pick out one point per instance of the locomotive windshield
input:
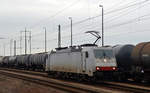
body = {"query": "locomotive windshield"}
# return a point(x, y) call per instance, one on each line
point(103, 53)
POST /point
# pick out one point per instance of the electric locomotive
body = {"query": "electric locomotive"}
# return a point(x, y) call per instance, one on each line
point(82, 61)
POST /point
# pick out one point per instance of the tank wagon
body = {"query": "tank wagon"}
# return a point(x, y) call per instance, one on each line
point(1, 60)
point(38, 61)
point(29, 61)
point(124, 61)
point(5, 61)
point(22, 61)
point(11, 61)
point(141, 61)
point(82, 62)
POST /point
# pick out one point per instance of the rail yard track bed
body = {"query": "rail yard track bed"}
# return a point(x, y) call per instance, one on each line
point(39, 73)
point(75, 87)
point(58, 84)
point(129, 85)
point(69, 86)
point(14, 85)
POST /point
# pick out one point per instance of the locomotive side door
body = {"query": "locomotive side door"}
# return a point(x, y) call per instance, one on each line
point(84, 57)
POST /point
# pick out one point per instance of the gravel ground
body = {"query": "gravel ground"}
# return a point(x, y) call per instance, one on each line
point(12, 85)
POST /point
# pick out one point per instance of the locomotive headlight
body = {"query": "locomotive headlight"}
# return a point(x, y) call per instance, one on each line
point(97, 68)
point(105, 60)
point(142, 71)
point(114, 68)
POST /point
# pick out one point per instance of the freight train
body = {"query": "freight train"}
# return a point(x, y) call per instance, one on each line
point(81, 62)
point(119, 62)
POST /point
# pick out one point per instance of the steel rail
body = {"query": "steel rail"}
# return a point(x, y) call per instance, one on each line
point(60, 86)
point(108, 84)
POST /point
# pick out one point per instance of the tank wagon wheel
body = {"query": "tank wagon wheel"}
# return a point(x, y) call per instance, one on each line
point(80, 78)
point(51, 74)
point(93, 79)
point(64, 75)
point(43, 67)
point(138, 77)
point(122, 78)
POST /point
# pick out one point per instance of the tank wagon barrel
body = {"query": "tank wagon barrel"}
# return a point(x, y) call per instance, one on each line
point(38, 60)
point(1, 61)
point(141, 55)
point(5, 61)
point(123, 56)
point(141, 60)
point(22, 61)
point(12, 60)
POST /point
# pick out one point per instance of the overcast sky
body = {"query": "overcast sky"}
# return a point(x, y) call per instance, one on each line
point(125, 22)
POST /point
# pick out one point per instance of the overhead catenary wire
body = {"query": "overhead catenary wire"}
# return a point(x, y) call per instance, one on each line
point(130, 21)
point(109, 12)
point(94, 18)
point(121, 15)
point(57, 13)
point(116, 17)
point(78, 34)
point(84, 20)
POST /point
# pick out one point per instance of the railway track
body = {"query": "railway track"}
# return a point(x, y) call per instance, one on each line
point(127, 87)
point(100, 87)
point(65, 86)
point(38, 73)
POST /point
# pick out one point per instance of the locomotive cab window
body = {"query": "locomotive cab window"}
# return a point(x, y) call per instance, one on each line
point(103, 53)
point(86, 54)
point(98, 53)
